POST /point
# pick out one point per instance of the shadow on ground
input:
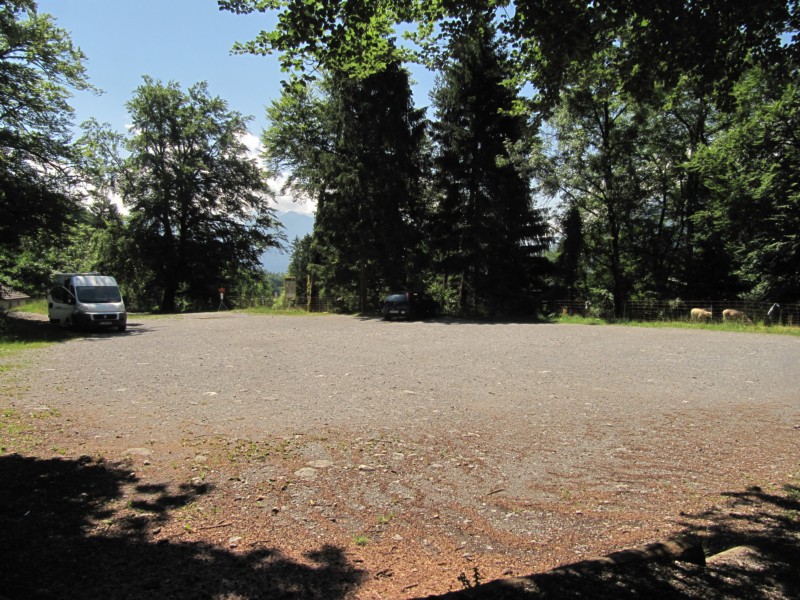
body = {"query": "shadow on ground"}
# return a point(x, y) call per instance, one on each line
point(31, 327)
point(61, 537)
point(753, 544)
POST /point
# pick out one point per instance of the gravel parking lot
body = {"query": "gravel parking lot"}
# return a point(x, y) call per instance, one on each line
point(448, 445)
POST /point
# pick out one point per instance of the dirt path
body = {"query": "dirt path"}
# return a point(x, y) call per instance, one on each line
point(417, 451)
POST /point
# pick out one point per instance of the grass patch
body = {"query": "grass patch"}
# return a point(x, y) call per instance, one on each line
point(12, 352)
point(38, 307)
point(279, 312)
point(735, 327)
point(18, 431)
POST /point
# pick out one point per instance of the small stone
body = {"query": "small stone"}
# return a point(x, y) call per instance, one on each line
point(139, 452)
point(200, 458)
point(321, 464)
point(365, 468)
point(234, 541)
point(306, 473)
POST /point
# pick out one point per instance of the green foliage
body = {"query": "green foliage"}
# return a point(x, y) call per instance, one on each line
point(550, 39)
point(596, 168)
point(634, 93)
point(753, 172)
point(300, 262)
point(487, 237)
point(39, 67)
point(352, 38)
point(199, 206)
point(356, 146)
point(569, 264)
point(30, 267)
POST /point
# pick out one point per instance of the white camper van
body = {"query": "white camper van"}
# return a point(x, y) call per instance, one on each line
point(86, 300)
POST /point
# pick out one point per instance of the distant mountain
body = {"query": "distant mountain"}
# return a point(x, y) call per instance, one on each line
point(295, 225)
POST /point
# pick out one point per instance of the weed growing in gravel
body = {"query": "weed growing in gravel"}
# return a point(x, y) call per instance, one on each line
point(793, 489)
point(16, 432)
point(46, 414)
point(12, 430)
point(467, 583)
point(361, 540)
point(384, 519)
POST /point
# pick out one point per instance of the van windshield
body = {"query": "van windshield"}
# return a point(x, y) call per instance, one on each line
point(96, 294)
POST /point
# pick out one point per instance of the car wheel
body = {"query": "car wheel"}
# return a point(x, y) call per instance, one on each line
point(122, 328)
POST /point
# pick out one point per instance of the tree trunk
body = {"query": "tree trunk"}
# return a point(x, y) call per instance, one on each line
point(168, 299)
point(362, 287)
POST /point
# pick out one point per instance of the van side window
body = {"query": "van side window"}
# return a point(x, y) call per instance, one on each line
point(57, 294)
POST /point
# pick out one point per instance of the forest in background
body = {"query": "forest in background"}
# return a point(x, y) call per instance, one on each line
point(607, 152)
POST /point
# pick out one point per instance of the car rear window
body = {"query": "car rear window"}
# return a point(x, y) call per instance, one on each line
point(396, 298)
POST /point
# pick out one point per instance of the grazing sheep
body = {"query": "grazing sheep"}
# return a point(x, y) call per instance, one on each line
point(701, 314)
point(730, 314)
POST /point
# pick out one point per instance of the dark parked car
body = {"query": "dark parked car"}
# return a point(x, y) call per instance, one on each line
point(409, 305)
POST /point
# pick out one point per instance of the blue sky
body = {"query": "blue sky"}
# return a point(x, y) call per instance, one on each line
point(172, 40)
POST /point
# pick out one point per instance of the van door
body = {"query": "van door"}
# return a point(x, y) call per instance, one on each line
point(60, 306)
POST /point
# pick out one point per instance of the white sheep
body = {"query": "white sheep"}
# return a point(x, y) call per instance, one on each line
point(701, 314)
point(730, 314)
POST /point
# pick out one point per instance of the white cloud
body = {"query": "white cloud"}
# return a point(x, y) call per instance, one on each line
point(289, 203)
point(253, 143)
point(283, 202)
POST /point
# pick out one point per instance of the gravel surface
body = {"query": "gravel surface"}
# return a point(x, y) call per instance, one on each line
point(422, 450)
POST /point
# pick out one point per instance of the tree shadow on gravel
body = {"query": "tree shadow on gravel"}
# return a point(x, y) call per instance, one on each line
point(760, 531)
point(61, 538)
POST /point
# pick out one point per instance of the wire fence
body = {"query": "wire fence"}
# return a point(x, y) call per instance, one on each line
point(769, 313)
point(314, 305)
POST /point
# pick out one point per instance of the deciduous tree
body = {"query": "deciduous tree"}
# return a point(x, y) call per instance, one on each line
point(199, 204)
point(752, 169)
point(39, 68)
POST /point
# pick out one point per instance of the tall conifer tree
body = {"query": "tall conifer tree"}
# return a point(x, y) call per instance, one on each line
point(487, 234)
point(356, 148)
